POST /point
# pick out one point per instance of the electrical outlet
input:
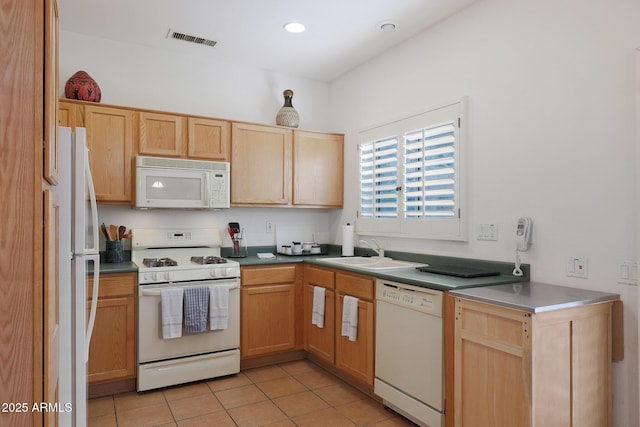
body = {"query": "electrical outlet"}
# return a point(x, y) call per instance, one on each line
point(269, 226)
point(628, 273)
point(576, 266)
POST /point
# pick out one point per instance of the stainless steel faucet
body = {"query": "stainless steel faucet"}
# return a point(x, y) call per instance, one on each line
point(379, 249)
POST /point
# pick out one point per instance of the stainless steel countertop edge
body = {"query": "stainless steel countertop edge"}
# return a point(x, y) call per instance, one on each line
point(535, 297)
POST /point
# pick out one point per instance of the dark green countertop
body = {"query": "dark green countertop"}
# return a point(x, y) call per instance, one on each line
point(405, 275)
point(119, 267)
point(408, 275)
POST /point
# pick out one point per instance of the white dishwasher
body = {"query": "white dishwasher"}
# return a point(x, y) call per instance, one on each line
point(409, 373)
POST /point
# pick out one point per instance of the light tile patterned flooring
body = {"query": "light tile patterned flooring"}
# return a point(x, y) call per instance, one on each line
point(289, 394)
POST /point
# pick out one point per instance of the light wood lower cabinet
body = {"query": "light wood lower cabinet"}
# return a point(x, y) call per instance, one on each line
point(320, 341)
point(356, 357)
point(268, 310)
point(112, 351)
point(514, 368)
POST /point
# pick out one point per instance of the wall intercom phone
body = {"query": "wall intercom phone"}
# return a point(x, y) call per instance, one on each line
point(523, 239)
point(523, 234)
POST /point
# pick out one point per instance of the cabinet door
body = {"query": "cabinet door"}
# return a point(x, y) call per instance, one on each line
point(268, 319)
point(320, 341)
point(492, 366)
point(110, 138)
point(356, 357)
point(51, 292)
point(67, 114)
point(113, 342)
point(208, 139)
point(51, 92)
point(161, 135)
point(260, 165)
point(317, 169)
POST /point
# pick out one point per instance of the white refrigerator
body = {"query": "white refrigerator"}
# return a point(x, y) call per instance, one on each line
point(79, 254)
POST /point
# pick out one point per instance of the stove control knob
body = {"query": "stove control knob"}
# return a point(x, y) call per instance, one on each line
point(231, 272)
point(154, 276)
point(168, 275)
point(214, 272)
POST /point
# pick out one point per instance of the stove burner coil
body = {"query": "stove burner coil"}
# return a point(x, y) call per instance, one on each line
point(208, 260)
point(159, 262)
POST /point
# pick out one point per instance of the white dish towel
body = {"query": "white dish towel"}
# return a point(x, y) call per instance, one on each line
point(171, 308)
point(317, 317)
point(350, 317)
point(218, 307)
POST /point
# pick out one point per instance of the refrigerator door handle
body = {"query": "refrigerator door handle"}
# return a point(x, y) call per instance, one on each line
point(94, 300)
point(94, 206)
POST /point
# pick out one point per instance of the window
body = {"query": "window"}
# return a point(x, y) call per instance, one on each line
point(411, 176)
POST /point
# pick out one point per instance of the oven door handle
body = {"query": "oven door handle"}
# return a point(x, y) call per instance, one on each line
point(155, 292)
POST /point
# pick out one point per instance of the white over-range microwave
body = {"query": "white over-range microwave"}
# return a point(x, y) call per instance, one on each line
point(181, 184)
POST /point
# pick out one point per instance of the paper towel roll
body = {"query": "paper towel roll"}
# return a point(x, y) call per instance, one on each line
point(347, 240)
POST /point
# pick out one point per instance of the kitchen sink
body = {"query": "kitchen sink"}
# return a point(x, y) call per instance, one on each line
point(370, 263)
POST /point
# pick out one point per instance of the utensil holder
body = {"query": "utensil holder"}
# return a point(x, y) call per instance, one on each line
point(114, 251)
point(238, 251)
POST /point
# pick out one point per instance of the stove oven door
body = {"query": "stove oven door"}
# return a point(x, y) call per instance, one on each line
point(152, 347)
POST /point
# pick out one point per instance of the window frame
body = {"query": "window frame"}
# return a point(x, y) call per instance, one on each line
point(452, 228)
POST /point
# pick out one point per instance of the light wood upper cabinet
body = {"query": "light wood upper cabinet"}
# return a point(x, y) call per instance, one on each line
point(260, 165)
point(277, 166)
point(161, 134)
point(67, 114)
point(111, 142)
point(208, 139)
point(317, 169)
point(171, 135)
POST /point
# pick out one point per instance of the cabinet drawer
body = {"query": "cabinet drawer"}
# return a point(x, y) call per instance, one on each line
point(116, 284)
point(356, 286)
point(498, 325)
point(319, 277)
point(266, 275)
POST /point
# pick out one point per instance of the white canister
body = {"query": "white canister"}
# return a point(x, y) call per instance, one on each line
point(297, 248)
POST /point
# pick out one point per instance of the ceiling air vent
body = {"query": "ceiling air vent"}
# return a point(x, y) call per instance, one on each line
point(192, 39)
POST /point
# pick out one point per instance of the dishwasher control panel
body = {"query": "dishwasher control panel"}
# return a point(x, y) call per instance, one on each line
point(415, 297)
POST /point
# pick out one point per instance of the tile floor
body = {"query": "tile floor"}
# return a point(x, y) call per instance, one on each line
point(290, 394)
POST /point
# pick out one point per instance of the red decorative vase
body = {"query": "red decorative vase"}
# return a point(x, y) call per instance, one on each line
point(81, 86)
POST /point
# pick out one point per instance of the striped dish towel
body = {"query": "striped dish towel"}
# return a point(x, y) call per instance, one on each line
point(196, 307)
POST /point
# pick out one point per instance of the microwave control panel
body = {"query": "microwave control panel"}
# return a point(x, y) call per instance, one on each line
point(219, 188)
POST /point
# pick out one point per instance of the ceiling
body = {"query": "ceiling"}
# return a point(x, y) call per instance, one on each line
point(340, 35)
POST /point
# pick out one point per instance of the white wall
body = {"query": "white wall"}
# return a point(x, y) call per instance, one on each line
point(551, 91)
point(138, 76)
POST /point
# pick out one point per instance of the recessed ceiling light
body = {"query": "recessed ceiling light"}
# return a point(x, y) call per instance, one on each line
point(387, 26)
point(294, 27)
